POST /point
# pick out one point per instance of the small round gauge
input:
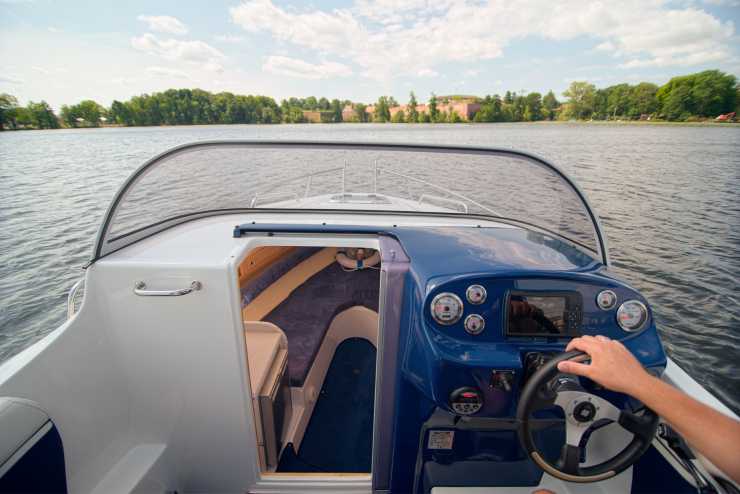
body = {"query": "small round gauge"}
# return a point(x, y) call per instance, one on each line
point(632, 315)
point(474, 324)
point(606, 299)
point(475, 294)
point(447, 308)
point(466, 401)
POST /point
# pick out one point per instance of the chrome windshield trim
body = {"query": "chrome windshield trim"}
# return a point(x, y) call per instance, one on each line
point(101, 250)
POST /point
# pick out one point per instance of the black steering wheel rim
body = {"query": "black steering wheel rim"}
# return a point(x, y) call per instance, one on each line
point(537, 395)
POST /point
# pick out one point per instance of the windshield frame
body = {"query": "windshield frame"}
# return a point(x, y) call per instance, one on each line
point(134, 236)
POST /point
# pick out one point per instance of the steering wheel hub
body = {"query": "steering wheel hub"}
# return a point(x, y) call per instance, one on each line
point(584, 411)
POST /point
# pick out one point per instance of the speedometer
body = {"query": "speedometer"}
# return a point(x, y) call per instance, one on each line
point(447, 308)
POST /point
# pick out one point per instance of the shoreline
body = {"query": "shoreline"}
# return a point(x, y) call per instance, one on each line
point(636, 123)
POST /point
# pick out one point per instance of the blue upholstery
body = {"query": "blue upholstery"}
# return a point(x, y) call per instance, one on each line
point(257, 285)
point(306, 314)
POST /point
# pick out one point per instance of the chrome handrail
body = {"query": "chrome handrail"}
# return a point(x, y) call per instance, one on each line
point(72, 295)
point(273, 194)
point(409, 178)
point(444, 199)
point(140, 290)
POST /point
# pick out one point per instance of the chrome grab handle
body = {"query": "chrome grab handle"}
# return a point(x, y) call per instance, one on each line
point(72, 297)
point(140, 290)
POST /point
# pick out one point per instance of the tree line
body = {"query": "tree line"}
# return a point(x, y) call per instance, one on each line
point(686, 98)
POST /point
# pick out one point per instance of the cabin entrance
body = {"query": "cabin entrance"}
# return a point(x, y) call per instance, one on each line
point(311, 332)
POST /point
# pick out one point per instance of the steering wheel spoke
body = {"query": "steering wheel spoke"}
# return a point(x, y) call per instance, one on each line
point(570, 457)
point(642, 426)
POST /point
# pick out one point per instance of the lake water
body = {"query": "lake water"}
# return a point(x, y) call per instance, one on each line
point(667, 197)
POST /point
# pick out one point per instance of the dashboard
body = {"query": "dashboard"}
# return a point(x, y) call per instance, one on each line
point(487, 307)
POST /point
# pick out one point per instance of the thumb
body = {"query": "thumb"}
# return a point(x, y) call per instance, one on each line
point(570, 367)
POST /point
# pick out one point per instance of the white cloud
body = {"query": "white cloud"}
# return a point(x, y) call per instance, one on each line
point(167, 72)
point(293, 67)
point(194, 52)
point(427, 72)
point(408, 37)
point(9, 79)
point(164, 24)
point(229, 38)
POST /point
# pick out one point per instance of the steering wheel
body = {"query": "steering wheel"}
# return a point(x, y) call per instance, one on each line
point(582, 411)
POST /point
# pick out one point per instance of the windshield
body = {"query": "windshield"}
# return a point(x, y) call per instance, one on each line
point(210, 178)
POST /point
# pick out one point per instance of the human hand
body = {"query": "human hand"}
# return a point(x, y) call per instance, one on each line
point(612, 365)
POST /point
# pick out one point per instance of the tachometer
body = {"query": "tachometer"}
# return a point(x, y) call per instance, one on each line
point(447, 308)
point(632, 315)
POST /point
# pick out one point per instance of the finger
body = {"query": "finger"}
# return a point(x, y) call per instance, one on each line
point(583, 344)
point(570, 367)
point(603, 338)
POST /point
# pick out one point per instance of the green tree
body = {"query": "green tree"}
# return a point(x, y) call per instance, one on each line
point(413, 114)
point(382, 110)
point(336, 108)
point(533, 107)
point(550, 105)
point(361, 112)
point(8, 110)
point(433, 111)
point(398, 117)
point(580, 96)
point(642, 100)
point(704, 94)
point(453, 117)
point(41, 115)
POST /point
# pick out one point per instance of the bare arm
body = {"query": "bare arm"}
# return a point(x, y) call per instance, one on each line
point(713, 434)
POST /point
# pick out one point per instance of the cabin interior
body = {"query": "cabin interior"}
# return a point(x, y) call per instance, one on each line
point(311, 331)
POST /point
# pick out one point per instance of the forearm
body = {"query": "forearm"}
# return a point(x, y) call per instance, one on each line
point(712, 433)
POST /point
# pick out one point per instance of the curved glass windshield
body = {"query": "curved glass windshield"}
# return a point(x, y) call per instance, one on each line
point(222, 177)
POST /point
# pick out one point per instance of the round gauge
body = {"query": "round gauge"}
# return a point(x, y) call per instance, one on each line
point(447, 308)
point(606, 299)
point(475, 294)
point(632, 315)
point(466, 401)
point(474, 324)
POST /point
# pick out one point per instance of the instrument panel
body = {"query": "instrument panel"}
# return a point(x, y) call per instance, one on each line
point(522, 309)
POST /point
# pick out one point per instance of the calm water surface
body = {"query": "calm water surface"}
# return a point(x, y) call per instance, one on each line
point(667, 197)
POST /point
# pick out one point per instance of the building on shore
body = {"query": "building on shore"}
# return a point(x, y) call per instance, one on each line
point(318, 116)
point(464, 106)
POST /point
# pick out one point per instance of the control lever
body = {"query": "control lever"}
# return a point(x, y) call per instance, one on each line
point(502, 380)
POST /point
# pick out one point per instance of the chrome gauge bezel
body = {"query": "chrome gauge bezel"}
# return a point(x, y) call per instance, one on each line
point(457, 317)
point(644, 309)
point(606, 307)
point(476, 287)
point(482, 324)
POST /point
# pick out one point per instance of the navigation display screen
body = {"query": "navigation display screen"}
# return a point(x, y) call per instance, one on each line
point(531, 314)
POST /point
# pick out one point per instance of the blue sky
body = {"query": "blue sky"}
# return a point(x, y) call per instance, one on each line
point(66, 51)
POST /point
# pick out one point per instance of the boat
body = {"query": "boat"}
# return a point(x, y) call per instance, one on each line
point(282, 317)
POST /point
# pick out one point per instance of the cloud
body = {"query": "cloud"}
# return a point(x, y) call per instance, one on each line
point(193, 52)
point(293, 67)
point(228, 38)
point(167, 72)
point(389, 38)
point(427, 72)
point(9, 79)
point(164, 24)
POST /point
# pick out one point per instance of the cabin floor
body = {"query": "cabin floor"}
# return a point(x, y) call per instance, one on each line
point(339, 435)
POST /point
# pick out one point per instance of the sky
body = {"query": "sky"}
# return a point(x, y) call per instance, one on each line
point(67, 51)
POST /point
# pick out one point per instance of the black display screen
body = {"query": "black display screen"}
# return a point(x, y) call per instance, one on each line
point(544, 314)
